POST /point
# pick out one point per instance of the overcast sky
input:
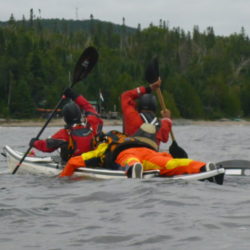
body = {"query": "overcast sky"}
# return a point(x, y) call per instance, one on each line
point(225, 16)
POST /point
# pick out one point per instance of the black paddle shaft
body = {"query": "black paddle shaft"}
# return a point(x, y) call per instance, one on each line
point(84, 65)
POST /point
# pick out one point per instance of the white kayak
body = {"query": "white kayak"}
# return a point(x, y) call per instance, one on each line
point(47, 166)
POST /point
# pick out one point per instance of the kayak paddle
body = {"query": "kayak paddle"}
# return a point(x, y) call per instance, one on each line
point(151, 75)
point(84, 65)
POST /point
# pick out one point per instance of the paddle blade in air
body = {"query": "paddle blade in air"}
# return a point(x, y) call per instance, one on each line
point(85, 64)
point(152, 71)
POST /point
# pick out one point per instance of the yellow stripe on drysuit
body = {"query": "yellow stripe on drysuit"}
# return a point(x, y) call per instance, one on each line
point(174, 163)
point(171, 164)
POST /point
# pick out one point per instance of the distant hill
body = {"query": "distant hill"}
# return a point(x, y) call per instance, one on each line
point(74, 25)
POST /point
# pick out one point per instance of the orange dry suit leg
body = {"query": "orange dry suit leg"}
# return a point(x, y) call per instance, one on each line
point(72, 164)
point(162, 161)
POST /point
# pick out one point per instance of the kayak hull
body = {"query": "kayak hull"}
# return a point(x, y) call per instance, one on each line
point(48, 167)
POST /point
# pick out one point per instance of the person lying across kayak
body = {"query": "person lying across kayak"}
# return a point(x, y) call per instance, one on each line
point(135, 155)
point(139, 106)
point(76, 138)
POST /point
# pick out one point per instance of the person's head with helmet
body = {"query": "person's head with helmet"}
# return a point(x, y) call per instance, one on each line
point(147, 107)
point(71, 114)
point(147, 102)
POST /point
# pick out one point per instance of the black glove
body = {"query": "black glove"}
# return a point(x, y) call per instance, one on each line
point(69, 93)
point(32, 141)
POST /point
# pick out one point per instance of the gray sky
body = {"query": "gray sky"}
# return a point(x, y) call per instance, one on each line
point(225, 16)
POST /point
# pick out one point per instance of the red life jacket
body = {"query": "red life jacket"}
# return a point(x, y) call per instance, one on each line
point(80, 141)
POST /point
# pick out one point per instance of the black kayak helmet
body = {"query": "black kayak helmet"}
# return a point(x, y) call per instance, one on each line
point(147, 102)
point(71, 113)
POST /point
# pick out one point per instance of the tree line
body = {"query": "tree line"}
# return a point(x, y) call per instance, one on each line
point(204, 76)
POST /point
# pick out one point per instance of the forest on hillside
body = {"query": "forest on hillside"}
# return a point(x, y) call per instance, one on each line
point(204, 76)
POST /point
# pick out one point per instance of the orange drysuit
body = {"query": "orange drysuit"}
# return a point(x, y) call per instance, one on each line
point(150, 159)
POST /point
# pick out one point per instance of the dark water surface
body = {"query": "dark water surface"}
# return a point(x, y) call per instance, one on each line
point(46, 213)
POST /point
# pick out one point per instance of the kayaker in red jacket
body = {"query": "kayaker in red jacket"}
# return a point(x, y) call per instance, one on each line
point(76, 138)
point(136, 154)
point(139, 106)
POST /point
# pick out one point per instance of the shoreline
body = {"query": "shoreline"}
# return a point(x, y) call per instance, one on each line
point(53, 123)
point(176, 122)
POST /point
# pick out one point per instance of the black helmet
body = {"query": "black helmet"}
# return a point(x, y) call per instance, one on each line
point(147, 102)
point(71, 113)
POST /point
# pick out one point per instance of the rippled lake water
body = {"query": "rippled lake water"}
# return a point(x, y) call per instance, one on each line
point(46, 213)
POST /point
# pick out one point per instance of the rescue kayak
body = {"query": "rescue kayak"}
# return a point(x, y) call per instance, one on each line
point(48, 167)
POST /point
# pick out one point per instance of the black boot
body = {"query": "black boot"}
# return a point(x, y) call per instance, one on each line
point(218, 179)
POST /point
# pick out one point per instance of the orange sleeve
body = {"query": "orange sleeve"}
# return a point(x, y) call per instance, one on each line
point(85, 105)
point(94, 122)
point(163, 133)
point(131, 117)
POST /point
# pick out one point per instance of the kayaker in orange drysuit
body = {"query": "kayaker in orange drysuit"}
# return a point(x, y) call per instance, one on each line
point(139, 106)
point(76, 138)
point(135, 155)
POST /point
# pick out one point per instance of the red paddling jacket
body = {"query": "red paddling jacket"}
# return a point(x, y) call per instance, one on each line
point(75, 140)
point(132, 119)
